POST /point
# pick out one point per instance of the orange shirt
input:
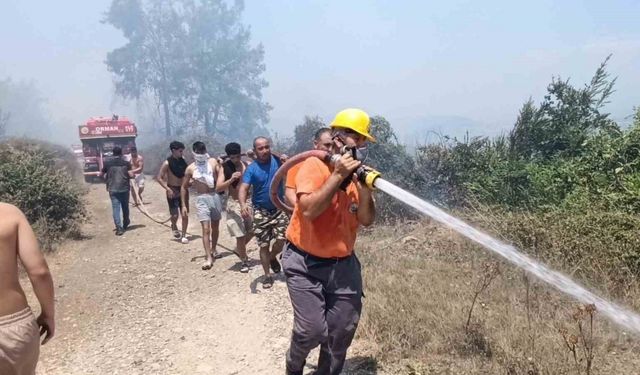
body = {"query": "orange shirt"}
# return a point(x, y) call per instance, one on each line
point(291, 176)
point(333, 233)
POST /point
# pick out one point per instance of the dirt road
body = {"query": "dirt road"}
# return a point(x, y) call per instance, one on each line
point(140, 304)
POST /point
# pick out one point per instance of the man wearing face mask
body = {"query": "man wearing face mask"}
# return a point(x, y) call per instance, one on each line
point(204, 171)
point(322, 271)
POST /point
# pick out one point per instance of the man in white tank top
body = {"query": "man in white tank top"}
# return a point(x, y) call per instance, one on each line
point(208, 203)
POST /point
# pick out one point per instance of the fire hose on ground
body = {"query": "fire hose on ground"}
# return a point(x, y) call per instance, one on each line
point(141, 207)
point(618, 314)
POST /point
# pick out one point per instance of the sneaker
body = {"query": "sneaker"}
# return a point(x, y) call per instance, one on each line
point(275, 266)
point(184, 240)
point(244, 267)
point(126, 224)
point(119, 231)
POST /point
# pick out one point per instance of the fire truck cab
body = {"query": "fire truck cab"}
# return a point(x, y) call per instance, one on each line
point(99, 135)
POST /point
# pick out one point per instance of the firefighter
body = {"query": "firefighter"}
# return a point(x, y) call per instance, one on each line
point(321, 268)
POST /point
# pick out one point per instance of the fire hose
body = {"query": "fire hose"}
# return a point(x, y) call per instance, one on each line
point(365, 174)
point(141, 207)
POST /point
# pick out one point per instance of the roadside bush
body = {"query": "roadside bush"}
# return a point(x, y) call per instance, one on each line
point(594, 245)
point(43, 180)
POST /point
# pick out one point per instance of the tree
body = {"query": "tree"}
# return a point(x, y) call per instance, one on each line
point(525, 131)
point(303, 134)
point(225, 70)
point(565, 119)
point(23, 112)
point(153, 59)
point(195, 57)
point(391, 158)
point(4, 119)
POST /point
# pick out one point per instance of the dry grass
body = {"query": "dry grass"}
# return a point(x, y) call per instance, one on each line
point(420, 282)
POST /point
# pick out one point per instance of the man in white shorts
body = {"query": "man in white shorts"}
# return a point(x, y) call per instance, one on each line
point(208, 202)
point(229, 177)
point(137, 165)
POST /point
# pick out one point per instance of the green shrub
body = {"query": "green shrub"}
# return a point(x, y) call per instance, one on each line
point(43, 181)
point(594, 244)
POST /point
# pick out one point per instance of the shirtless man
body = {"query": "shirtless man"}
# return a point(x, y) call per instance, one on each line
point(170, 178)
point(137, 165)
point(229, 176)
point(208, 202)
point(19, 329)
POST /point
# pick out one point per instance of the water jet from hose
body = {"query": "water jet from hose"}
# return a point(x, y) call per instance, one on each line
point(618, 314)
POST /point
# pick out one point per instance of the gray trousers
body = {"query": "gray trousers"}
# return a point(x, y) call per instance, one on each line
point(327, 300)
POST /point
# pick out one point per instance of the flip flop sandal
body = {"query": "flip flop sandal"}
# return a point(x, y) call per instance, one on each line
point(206, 266)
point(217, 255)
point(244, 267)
point(176, 234)
point(267, 283)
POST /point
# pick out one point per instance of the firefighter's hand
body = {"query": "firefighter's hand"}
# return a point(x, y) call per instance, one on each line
point(363, 189)
point(345, 166)
point(169, 193)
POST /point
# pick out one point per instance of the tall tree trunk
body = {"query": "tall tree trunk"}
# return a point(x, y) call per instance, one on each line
point(164, 96)
point(207, 123)
point(167, 120)
point(4, 120)
point(214, 124)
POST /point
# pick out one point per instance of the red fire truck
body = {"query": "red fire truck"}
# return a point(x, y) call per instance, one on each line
point(99, 135)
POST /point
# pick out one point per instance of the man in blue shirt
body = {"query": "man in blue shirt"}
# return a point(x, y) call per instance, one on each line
point(269, 223)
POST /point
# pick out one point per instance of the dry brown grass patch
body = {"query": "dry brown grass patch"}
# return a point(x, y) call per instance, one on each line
point(420, 283)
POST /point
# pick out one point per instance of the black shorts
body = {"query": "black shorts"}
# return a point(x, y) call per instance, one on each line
point(175, 203)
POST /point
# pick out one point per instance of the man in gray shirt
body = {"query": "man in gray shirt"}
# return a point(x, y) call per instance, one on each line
point(117, 173)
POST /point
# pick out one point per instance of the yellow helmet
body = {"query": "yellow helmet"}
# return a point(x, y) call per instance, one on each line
point(354, 119)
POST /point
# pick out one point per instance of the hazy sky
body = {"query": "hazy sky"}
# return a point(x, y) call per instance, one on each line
point(405, 60)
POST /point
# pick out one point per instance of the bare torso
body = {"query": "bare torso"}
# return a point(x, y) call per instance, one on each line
point(172, 180)
point(233, 191)
point(136, 163)
point(12, 298)
point(198, 186)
